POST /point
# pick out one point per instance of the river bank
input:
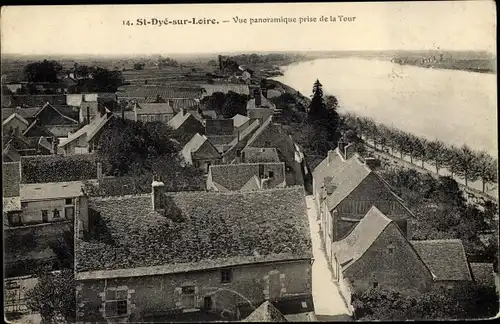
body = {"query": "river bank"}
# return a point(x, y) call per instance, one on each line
point(475, 66)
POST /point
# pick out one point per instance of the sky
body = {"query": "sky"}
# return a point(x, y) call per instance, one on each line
point(99, 29)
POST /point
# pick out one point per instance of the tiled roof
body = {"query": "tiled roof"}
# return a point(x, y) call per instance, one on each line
point(180, 103)
point(219, 127)
point(352, 247)
point(63, 111)
point(256, 155)
point(88, 130)
point(162, 91)
point(51, 190)
point(194, 144)
point(347, 178)
point(327, 167)
point(235, 176)
point(446, 259)
point(11, 175)
point(483, 273)
point(266, 312)
point(220, 139)
point(198, 229)
point(239, 120)
point(154, 108)
point(225, 88)
point(179, 119)
point(267, 123)
point(62, 130)
point(23, 112)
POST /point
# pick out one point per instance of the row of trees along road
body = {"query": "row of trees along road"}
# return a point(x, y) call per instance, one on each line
point(463, 161)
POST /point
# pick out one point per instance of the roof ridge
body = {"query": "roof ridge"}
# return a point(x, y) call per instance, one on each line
point(290, 188)
point(121, 197)
point(438, 240)
point(248, 163)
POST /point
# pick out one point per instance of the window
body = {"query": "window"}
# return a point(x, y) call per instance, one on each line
point(375, 284)
point(24, 205)
point(271, 174)
point(188, 297)
point(116, 303)
point(69, 201)
point(56, 213)
point(226, 275)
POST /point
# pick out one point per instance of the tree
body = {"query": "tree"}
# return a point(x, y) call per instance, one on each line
point(44, 71)
point(104, 80)
point(139, 66)
point(63, 248)
point(54, 297)
point(214, 102)
point(235, 104)
point(436, 153)
point(317, 108)
point(486, 168)
point(466, 164)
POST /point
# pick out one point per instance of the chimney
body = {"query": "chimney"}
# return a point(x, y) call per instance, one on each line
point(261, 171)
point(349, 150)
point(88, 115)
point(264, 92)
point(101, 108)
point(157, 98)
point(184, 111)
point(242, 156)
point(258, 100)
point(99, 171)
point(158, 189)
point(330, 188)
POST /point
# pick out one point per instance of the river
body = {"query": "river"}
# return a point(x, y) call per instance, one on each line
point(456, 107)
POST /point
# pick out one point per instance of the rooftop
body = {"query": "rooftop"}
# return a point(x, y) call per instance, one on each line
point(225, 88)
point(51, 190)
point(369, 228)
point(88, 130)
point(266, 312)
point(154, 108)
point(236, 176)
point(446, 259)
point(483, 273)
point(179, 119)
point(239, 120)
point(197, 230)
point(257, 155)
point(165, 92)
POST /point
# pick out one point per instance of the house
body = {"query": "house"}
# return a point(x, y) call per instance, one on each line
point(166, 93)
point(57, 122)
point(377, 253)
point(221, 142)
point(246, 176)
point(35, 129)
point(345, 188)
point(272, 135)
point(48, 202)
point(140, 257)
point(219, 126)
point(15, 123)
point(259, 108)
point(200, 152)
point(86, 139)
point(293, 309)
point(210, 89)
point(233, 153)
point(240, 123)
point(447, 261)
point(88, 110)
point(148, 112)
point(26, 113)
point(185, 122)
point(11, 175)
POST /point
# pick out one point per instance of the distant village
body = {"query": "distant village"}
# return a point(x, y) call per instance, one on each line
point(262, 236)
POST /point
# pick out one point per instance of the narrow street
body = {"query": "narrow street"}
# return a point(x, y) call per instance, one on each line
point(328, 302)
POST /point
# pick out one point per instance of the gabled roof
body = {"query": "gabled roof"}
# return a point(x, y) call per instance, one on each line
point(347, 178)
point(88, 130)
point(259, 131)
point(446, 259)
point(219, 127)
point(252, 184)
point(483, 273)
point(154, 108)
point(50, 190)
point(352, 247)
point(178, 120)
point(266, 312)
point(261, 155)
point(12, 116)
point(11, 204)
point(26, 113)
point(35, 130)
point(197, 231)
point(49, 106)
point(11, 178)
point(236, 176)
